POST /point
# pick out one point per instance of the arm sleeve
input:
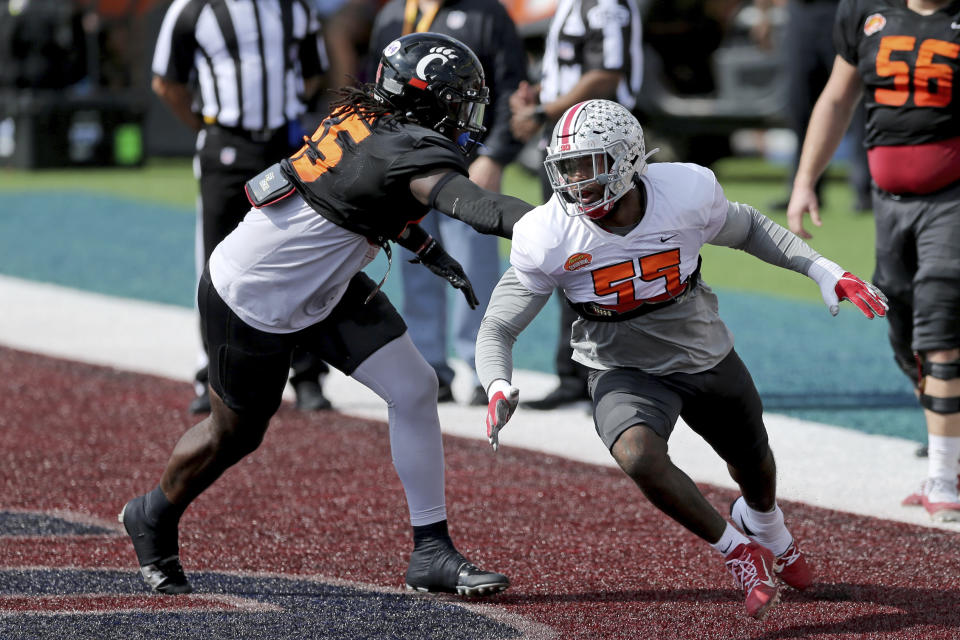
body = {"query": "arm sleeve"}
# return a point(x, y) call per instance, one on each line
point(749, 230)
point(512, 307)
point(486, 211)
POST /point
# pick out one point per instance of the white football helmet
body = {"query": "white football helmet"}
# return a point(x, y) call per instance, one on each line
point(594, 152)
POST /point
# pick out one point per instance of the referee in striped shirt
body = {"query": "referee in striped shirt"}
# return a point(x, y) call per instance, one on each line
point(239, 73)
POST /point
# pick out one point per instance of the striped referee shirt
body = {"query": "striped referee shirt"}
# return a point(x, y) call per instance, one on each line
point(250, 58)
point(585, 35)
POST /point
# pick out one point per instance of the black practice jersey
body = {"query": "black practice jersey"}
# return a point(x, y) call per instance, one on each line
point(909, 65)
point(356, 172)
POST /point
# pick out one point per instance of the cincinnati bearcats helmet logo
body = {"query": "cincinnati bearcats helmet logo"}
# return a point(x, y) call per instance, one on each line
point(442, 55)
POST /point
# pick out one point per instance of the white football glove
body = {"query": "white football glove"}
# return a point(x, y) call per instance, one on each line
point(502, 402)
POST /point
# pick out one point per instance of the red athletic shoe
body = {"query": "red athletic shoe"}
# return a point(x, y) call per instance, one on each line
point(752, 568)
point(791, 566)
point(943, 508)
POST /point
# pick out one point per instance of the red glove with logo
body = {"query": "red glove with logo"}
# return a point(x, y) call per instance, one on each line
point(864, 295)
point(503, 399)
point(837, 284)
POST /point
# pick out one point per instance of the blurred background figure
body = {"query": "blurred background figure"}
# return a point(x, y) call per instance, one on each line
point(240, 75)
point(485, 27)
point(43, 44)
point(347, 26)
point(593, 49)
point(807, 54)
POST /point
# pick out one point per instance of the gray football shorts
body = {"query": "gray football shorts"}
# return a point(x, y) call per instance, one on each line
point(720, 404)
point(918, 268)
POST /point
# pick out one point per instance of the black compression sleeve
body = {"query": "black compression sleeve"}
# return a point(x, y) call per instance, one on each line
point(486, 211)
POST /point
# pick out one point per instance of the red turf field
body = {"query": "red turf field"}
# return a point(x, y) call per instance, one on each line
point(588, 557)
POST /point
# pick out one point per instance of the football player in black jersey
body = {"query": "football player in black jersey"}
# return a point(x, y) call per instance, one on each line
point(903, 57)
point(290, 274)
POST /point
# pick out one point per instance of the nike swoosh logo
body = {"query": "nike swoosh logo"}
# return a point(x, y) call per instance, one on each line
point(664, 239)
point(769, 581)
point(955, 25)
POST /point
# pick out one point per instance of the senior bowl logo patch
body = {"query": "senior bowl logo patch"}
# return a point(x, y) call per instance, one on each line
point(578, 261)
point(874, 23)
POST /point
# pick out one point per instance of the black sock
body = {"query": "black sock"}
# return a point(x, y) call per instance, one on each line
point(427, 533)
point(158, 509)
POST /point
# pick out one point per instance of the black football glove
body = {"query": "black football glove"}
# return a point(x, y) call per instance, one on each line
point(435, 258)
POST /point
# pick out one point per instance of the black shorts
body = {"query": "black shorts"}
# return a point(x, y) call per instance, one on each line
point(721, 404)
point(249, 368)
point(918, 268)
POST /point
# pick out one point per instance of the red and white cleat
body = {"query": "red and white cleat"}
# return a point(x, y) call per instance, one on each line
point(791, 567)
point(939, 498)
point(752, 568)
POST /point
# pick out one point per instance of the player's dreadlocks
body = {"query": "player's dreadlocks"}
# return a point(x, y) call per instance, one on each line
point(360, 99)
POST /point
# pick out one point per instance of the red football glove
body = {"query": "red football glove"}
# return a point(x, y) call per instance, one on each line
point(864, 295)
point(503, 399)
point(837, 284)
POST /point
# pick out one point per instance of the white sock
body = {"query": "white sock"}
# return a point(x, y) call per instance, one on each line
point(943, 453)
point(768, 528)
point(730, 540)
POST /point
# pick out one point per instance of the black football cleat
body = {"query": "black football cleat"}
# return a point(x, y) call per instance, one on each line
point(441, 568)
point(158, 551)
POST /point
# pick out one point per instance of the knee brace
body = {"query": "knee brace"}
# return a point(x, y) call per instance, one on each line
point(940, 371)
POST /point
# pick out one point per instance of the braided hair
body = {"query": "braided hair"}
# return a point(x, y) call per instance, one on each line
point(360, 99)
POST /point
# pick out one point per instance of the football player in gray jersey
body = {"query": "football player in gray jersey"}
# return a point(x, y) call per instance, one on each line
point(622, 240)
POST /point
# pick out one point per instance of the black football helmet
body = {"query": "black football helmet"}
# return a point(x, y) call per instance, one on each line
point(436, 81)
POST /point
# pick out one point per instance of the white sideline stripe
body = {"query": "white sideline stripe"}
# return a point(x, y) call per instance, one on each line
point(818, 464)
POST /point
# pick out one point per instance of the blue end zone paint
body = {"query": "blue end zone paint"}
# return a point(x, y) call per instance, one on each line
point(805, 363)
point(13, 523)
point(308, 610)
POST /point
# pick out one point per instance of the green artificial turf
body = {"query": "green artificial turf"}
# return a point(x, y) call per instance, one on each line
point(167, 181)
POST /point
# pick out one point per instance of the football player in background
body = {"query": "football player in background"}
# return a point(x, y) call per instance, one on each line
point(903, 58)
point(622, 240)
point(290, 274)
